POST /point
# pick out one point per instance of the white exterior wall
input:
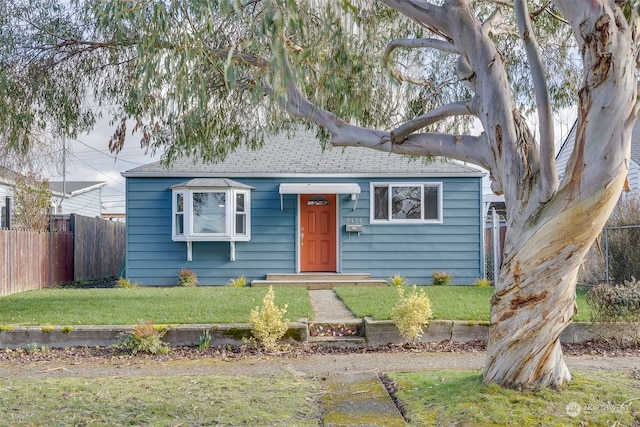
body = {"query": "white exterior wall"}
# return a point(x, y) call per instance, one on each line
point(86, 204)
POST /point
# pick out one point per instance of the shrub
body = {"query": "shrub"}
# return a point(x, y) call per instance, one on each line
point(35, 348)
point(205, 340)
point(187, 278)
point(124, 283)
point(268, 324)
point(615, 310)
point(396, 280)
point(441, 279)
point(238, 282)
point(144, 338)
point(482, 283)
point(412, 313)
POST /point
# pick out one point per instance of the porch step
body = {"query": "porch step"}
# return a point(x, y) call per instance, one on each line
point(319, 280)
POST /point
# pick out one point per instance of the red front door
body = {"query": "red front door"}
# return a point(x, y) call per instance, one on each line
point(318, 239)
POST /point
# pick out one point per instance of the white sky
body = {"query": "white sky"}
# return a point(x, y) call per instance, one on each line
point(89, 159)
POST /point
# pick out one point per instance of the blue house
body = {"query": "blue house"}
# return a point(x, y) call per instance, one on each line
point(292, 207)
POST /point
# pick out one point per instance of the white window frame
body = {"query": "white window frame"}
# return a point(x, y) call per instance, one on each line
point(390, 186)
point(230, 234)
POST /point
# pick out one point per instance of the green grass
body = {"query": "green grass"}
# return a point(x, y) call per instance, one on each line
point(159, 401)
point(173, 305)
point(447, 302)
point(433, 398)
point(459, 398)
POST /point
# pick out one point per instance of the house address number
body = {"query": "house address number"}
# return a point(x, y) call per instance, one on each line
point(353, 220)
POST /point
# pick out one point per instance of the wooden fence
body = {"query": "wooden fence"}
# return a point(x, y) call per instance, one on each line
point(34, 260)
point(98, 248)
point(88, 248)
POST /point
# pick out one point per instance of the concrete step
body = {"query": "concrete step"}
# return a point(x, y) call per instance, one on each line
point(318, 276)
point(317, 284)
point(351, 341)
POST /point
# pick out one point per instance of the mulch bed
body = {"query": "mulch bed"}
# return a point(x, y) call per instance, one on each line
point(80, 354)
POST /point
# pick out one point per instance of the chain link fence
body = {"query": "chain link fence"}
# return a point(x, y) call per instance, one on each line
point(494, 232)
point(614, 258)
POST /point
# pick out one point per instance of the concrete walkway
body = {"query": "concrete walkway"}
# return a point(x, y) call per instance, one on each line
point(329, 308)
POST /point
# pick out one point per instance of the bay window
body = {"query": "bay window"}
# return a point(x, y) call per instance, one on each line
point(208, 209)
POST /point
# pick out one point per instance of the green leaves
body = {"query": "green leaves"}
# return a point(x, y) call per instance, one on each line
point(201, 77)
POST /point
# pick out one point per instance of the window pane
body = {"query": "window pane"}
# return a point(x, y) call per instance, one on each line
point(431, 207)
point(239, 202)
point(179, 224)
point(241, 223)
point(381, 202)
point(406, 202)
point(179, 202)
point(209, 212)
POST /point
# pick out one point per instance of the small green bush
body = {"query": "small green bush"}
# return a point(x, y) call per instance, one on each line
point(396, 280)
point(482, 283)
point(268, 324)
point(441, 279)
point(35, 348)
point(615, 310)
point(144, 338)
point(412, 313)
point(124, 283)
point(205, 340)
point(238, 282)
point(187, 278)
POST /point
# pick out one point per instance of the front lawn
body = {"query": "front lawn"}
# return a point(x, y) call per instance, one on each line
point(431, 398)
point(174, 305)
point(181, 305)
point(451, 398)
point(447, 302)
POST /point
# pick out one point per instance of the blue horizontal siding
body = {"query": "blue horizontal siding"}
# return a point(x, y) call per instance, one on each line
point(412, 250)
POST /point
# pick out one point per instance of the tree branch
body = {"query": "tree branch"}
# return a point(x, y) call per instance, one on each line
point(549, 181)
point(465, 148)
point(461, 108)
point(415, 44)
point(472, 149)
point(423, 12)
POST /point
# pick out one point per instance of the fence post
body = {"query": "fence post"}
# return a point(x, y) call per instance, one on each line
point(495, 234)
point(50, 251)
point(606, 253)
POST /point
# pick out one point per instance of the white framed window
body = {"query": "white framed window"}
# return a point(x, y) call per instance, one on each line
point(406, 203)
point(178, 213)
point(205, 210)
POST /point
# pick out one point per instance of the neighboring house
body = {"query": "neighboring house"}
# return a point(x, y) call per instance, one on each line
point(293, 208)
point(7, 179)
point(633, 180)
point(77, 197)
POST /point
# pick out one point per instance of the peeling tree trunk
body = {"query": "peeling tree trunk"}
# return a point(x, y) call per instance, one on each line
point(547, 240)
point(550, 225)
point(535, 298)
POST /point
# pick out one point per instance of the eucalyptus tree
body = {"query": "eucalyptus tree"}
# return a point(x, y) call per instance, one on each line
point(200, 77)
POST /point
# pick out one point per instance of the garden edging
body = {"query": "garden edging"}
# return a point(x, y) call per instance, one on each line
point(376, 332)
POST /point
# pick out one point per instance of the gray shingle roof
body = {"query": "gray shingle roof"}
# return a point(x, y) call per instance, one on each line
point(303, 155)
point(75, 187)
